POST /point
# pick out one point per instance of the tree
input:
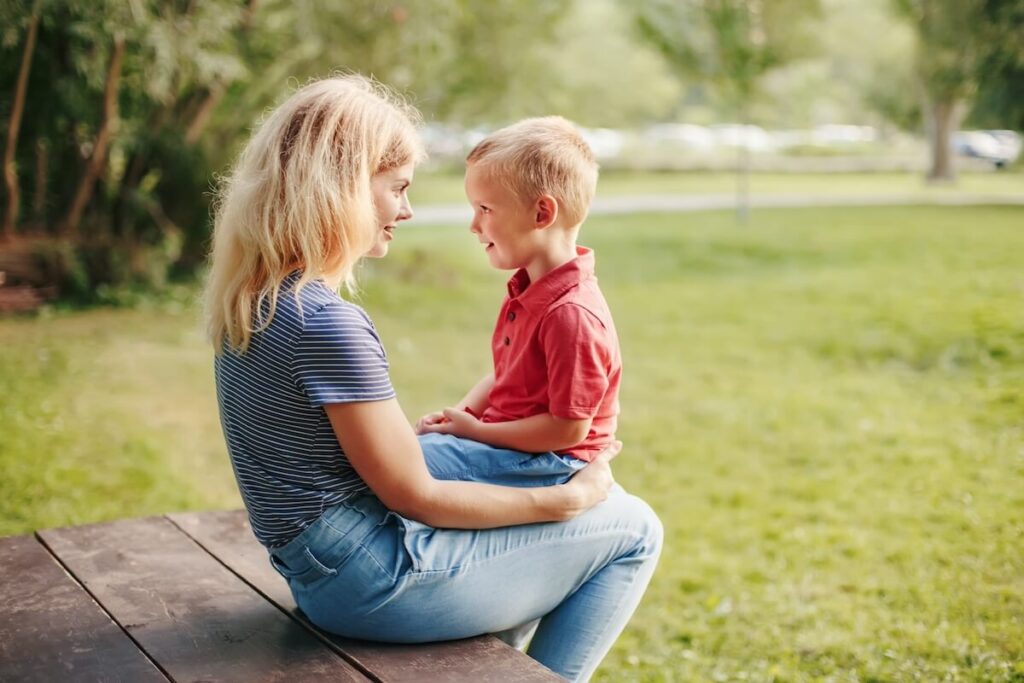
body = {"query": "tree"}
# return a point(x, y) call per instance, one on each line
point(1001, 75)
point(14, 124)
point(131, 109)
point(949, 52)
point(731, 45)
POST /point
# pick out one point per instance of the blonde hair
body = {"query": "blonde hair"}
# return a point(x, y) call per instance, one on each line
point(538, 156)
point(299, 197)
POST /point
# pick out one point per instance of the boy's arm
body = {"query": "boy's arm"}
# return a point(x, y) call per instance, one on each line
point(475, 399)
point(535, 434)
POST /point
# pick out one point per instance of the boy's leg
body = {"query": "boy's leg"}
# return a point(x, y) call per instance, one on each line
point(452, 458)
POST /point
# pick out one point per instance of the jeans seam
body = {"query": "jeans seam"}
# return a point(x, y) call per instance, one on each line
point(527, 546)
point(589, 646)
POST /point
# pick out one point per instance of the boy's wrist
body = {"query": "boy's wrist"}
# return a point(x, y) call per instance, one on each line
point(479, 431)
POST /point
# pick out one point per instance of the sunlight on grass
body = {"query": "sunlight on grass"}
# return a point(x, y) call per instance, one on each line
point(824, 407)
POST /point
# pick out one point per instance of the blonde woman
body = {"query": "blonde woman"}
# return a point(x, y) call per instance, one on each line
point(329, 468)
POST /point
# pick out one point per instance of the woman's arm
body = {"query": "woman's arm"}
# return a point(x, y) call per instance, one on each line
point(385, 452)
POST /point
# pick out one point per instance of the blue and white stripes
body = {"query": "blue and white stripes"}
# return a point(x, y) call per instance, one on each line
point(285, 455)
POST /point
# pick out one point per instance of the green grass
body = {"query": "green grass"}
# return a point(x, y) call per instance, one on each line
point(445, 187)
point(825, 407)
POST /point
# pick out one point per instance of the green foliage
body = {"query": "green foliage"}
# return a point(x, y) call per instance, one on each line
point(824, 408)
point(1001, 78)
point(196, 75)
point(729, 43)
point(951, 43)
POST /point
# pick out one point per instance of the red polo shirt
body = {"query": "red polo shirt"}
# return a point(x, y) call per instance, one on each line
point(556, 351)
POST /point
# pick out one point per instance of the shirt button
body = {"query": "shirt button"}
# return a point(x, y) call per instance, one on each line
point(507, 341)
point(511, 316)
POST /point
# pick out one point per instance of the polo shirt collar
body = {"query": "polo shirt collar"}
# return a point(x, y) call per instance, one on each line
point(540, 294)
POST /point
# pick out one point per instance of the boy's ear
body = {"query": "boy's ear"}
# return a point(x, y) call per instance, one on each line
point(545, 211)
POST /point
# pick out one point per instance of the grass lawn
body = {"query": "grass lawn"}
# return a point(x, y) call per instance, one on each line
point(825, 408)
point(446, 187)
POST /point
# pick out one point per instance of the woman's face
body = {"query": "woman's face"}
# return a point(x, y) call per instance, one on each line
point(391, 201)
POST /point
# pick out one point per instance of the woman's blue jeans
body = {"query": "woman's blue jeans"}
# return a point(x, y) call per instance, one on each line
point(364, 572)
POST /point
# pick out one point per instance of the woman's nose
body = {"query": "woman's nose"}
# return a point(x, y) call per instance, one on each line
point(405, 211)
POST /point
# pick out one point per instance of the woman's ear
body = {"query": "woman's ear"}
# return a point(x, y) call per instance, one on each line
point(545, 211)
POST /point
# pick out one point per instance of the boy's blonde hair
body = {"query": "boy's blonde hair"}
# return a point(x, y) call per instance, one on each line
point(299, 197)
point(538, 156)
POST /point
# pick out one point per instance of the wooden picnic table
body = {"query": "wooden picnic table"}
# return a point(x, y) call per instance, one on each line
point(192, 597)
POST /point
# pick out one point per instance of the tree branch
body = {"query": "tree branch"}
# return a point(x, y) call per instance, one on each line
point(99, 153)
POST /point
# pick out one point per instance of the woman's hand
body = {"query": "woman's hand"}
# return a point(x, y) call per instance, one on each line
point(590, 485)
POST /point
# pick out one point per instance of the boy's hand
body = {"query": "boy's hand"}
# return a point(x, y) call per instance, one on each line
point(429, 420)
point(453, 421)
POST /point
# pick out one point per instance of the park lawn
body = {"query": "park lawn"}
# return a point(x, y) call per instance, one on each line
point(437, 187)
point(825, 408)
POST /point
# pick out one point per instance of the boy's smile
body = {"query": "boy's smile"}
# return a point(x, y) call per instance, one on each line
point(502, 222)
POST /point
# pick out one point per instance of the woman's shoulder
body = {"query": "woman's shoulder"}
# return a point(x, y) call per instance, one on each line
point(324, 309)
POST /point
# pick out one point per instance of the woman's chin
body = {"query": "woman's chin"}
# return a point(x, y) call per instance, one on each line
point(379, 250)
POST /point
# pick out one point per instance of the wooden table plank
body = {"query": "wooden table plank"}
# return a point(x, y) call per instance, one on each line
point(192, 616)
point(483, 659)
point(51, 630)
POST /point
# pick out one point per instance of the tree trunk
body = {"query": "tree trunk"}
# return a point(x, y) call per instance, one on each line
point(218, 89)
point(945, 119)
point(99, 153)
point(743, 169)
point(42, 174)
point(17, 108)
point(195, 128)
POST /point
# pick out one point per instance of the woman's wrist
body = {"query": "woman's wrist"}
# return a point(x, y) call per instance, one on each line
point(566, 501)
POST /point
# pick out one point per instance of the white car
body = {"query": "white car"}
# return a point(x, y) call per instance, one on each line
point(1001, 147)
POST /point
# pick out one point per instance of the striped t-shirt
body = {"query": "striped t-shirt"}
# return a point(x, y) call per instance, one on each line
point(285, 455)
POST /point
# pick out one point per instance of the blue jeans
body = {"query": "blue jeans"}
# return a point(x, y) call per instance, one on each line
point(451, 457)
point(363, 571)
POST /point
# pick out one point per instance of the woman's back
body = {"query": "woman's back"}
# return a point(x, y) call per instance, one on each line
point(317, 349)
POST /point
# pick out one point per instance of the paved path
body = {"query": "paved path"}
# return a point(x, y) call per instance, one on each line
point(439, 214)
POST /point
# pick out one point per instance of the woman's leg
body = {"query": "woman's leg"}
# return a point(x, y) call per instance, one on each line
point(407, 582)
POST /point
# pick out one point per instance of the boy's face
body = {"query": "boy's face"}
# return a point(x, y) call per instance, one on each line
point(501, 221)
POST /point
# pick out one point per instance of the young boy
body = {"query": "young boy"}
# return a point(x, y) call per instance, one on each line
point(550, 405)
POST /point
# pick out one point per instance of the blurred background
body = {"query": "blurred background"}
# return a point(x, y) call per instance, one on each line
point(809, 226)
point(121, 114)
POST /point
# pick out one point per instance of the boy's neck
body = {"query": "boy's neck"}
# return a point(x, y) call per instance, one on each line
point(556, 254)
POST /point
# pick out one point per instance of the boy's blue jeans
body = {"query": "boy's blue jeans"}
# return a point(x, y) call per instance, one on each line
point(364, 572)
point(451, 457)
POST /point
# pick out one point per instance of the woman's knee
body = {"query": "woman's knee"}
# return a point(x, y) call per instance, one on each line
point(642, 522)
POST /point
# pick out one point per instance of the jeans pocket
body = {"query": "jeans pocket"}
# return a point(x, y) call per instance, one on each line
point(301, 572)
point(411, 535)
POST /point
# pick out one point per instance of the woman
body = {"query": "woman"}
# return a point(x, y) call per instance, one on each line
point(329, 468)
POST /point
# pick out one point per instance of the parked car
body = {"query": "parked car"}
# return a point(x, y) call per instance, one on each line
point(606, 143)
point(687, 135)
point(749, 136)
point(1000, 147)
